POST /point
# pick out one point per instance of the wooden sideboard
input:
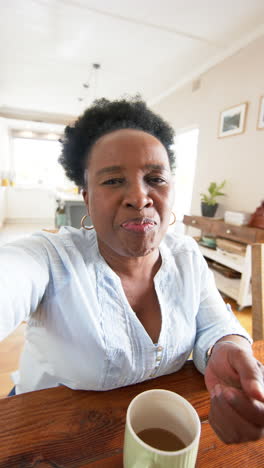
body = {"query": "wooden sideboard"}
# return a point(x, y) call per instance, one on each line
point(238, 289)
point(219, 228)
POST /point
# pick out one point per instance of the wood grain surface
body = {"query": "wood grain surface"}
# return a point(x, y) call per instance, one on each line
point(257, 281)
point(63, 428)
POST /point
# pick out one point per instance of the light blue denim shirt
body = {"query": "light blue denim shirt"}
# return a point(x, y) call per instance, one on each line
point(82, 332)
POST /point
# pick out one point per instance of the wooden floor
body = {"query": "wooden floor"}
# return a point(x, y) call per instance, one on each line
point(10, 348)
point(244, 316)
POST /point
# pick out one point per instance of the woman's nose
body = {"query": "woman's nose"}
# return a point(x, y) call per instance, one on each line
point(137, 196)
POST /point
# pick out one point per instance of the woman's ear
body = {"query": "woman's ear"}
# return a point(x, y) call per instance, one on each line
point(86, 199)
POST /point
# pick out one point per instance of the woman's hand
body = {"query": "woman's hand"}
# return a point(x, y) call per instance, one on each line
point(235, 381)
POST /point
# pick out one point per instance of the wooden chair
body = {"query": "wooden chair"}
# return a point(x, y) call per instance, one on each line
point(257, 281)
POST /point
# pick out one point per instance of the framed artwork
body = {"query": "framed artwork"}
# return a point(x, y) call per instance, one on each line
point(260, 125)
point(233, 120)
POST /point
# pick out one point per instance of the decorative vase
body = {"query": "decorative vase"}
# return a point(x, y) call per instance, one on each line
point(208, 210)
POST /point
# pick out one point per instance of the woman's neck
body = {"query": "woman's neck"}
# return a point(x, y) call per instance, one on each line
point(133, 267)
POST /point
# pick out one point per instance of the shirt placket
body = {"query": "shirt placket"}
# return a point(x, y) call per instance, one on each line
point(158, 355)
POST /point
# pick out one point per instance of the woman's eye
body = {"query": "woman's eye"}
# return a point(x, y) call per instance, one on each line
point(156, 180)
point(113, 182)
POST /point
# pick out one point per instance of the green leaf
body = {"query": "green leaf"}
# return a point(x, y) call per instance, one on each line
point(214, 190)
point(218, 194)
point(222, 185)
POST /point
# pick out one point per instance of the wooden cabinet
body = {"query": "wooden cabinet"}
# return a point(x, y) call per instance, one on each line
point(219, 228)
point(199, 222)
point(237, 233)
point(236, 288)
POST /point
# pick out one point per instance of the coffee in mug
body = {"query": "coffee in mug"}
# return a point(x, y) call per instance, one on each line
point(162, 430)
point(161, 439)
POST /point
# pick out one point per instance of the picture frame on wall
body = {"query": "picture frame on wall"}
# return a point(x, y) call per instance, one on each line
point(233, 120)
point(260, 124)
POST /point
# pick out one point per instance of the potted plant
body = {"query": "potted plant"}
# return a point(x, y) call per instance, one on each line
point(208, 200)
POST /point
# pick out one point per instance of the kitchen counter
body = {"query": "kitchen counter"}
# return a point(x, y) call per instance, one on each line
point(75, 208)
point(69, 196)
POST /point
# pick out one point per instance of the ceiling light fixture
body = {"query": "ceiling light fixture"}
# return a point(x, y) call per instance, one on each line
point(91, 84)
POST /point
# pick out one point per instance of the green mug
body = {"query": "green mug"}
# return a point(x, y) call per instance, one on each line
point(165, 410)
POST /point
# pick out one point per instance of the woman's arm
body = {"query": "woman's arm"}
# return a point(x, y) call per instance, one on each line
point(215, 319)
point(234, 379)
point(233, 376)
point(24, 275)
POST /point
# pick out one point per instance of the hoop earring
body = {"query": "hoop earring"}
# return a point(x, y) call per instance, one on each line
point(174, 219)
point(88, 228)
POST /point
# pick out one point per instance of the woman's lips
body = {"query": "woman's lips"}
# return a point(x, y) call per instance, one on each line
point(139, 225)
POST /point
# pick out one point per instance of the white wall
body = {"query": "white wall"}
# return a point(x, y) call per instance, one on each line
point(239, 159)
point(4, 147)
point(2, 205)
point(4, 165)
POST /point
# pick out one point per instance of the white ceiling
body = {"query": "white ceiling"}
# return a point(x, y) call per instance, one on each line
point(47, 47)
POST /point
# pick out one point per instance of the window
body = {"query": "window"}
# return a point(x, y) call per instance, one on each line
point(186, 153)
point(35, 163)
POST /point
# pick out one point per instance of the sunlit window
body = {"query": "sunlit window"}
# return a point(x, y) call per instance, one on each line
point(35, 163)
point(186, 153)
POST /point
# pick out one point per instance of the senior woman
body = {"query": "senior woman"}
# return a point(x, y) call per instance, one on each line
point(121, 301)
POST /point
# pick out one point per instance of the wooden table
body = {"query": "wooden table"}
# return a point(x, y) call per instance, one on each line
point(63, 428)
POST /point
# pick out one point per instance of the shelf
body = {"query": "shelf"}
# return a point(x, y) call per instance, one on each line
point(236, 262)
point(230, 287)
point(238, 289)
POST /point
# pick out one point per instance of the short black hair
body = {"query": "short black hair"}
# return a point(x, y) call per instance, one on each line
point(103, 117)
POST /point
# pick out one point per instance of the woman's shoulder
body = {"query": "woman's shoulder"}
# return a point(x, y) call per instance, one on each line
point(68, 238)
point(50, 243)
point(178, 243)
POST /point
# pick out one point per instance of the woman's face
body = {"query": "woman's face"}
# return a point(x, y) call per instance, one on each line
point(129, 192)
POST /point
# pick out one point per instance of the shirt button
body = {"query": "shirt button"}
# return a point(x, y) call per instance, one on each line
point(159, 348)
